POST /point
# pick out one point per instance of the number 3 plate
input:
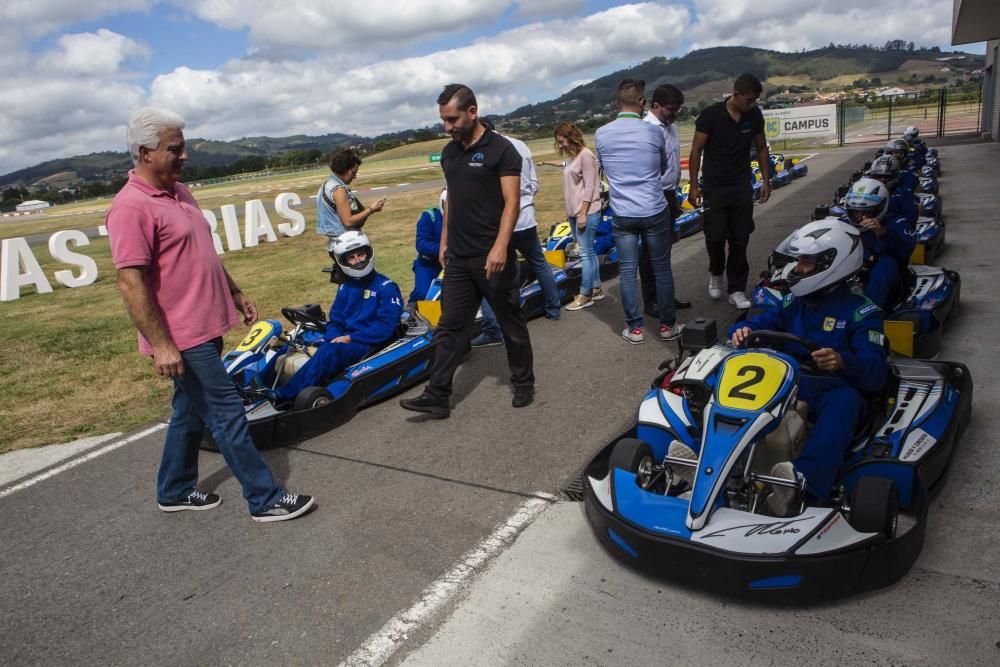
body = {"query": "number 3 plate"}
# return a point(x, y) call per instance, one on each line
point(750, 381)
point(258, 334)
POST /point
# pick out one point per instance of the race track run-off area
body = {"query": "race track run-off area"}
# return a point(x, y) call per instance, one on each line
point(448, 542)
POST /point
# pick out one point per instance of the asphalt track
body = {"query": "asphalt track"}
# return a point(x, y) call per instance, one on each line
point(93, 573)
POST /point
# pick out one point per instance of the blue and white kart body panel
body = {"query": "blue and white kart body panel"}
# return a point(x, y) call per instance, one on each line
point(561, 238)
point(928, 205)
point(929, 232)
point(269, 356)
point(718, 536)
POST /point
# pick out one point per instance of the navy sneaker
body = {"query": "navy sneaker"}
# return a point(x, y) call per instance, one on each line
point(196, 500)
point(290, 506)
point(484, 340)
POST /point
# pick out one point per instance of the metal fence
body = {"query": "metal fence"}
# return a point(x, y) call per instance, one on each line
point(936, 113)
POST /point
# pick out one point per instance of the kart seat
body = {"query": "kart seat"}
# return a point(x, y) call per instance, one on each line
point(784, 442)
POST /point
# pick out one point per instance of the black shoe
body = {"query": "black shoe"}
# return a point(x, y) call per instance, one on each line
point(435, 407)
point(289, 507)
point(681, 304)
point(196, 500)
point(523, 396)
point(653, 310)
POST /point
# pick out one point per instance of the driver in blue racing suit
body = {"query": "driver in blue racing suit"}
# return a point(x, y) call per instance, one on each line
point(365, 314)
point(848, 328)
point(426, 266)
point(885, 236)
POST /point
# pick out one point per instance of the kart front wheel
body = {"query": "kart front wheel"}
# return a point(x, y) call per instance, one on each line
point(875, 506)
point(312, 397)
point(636, 457)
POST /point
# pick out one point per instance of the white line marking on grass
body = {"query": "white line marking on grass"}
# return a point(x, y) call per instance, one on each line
point(399, 185)
point(378, 648)
point(381, 187)
point(31, 481)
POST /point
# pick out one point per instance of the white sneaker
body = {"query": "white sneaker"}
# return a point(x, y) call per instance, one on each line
point(740, 300)
point(715, 286)
point(681, 451)
point(783, 499)
point(670, 333)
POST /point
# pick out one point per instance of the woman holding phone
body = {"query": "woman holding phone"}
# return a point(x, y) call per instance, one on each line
point(338, 209)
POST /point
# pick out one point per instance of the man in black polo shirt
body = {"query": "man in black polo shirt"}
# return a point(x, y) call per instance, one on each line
point(724, 132)
point(483, 175)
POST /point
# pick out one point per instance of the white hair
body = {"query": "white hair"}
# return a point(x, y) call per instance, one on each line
point(144, 126)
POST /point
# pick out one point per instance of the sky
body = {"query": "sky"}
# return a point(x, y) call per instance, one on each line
point(74, 71)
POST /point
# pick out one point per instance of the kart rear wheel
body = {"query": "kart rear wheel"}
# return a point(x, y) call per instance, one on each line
point(312, 397)
point(636, 457)
point(875, 506)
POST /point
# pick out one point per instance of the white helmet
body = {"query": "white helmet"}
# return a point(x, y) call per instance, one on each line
point(897, 146)
point(836, 248)
point(911, 133)
point(348, 242)
point(867, 198)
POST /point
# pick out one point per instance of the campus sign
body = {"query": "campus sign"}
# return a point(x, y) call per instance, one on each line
point(796, 122)
point(19, 268)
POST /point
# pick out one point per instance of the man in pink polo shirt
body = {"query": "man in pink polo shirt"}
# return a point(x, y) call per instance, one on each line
point(182, 300)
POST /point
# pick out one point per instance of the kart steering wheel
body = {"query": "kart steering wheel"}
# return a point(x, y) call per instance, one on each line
point(308, 322)
point(770, 336)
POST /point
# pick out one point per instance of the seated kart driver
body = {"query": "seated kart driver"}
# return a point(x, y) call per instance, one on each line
point(918, 149)
point(899, 149)
point(902, 202)
point(363, 316)
point(885, 236)
point(849, 330)
point(426, 266)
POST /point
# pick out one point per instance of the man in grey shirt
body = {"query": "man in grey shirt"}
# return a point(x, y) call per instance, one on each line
point(634, 156)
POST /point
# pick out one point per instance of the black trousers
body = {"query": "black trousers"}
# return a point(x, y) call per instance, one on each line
point(464, 286)
point(645, 267)
point(729, 219)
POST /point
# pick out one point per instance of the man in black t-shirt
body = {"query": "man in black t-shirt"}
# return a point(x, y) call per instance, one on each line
point(483, 175)
point(724, 133)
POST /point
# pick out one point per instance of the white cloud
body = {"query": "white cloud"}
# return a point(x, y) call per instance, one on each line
point(258, 96)
point(40, 17)
point(311, 24)
point(102, 52)
point(790, 25)
point(539, 8)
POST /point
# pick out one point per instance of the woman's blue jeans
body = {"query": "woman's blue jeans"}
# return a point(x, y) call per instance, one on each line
point(591, 278)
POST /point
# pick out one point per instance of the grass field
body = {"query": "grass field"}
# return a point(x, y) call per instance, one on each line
point(69, 361)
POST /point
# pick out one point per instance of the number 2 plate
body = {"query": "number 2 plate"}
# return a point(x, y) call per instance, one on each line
point(750, 381)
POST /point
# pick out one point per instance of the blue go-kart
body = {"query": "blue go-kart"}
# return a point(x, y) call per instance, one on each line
point(738, 411)
point(270, 355)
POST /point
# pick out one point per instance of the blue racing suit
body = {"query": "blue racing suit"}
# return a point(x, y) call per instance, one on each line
point(603, 240)
point(366, 309)
point(887, 256)
point(426, 266)
point(852, 325)
point(903, 203)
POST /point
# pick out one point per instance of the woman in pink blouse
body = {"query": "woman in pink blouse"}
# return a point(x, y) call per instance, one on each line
point(581, 191)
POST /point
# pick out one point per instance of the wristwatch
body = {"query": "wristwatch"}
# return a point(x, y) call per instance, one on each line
point(235, 290)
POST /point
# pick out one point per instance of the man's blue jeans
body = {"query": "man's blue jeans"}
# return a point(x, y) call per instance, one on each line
point(526, 241)
point(206, 396)
point(591, 278)
point(657, 235)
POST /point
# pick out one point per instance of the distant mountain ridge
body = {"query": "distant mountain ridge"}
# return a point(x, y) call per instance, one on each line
point(704, 75)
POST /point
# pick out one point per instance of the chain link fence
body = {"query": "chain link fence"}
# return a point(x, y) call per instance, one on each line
point(936, 113)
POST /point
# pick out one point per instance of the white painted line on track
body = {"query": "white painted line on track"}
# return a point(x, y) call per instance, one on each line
point(381, 187)
point(399, 185)
point(31, 481)
point(378, 648)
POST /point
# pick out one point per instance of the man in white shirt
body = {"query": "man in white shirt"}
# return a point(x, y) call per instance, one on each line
point(668, 100)
point(525, 240)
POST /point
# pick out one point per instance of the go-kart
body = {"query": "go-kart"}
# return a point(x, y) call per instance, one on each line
point(929, 233)
point(531, 297)
point(269, 356)
point(928, 184)
point(737, 410)
point(914, 323)
point(928, 205)
point(561, 239)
